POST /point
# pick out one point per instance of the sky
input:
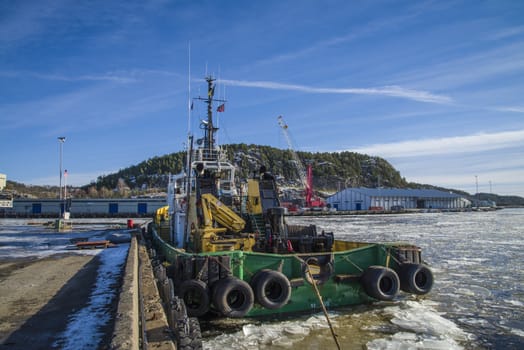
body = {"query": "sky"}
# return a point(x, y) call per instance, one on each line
point(434, 87)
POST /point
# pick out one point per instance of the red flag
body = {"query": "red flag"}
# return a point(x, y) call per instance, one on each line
point(221, 108)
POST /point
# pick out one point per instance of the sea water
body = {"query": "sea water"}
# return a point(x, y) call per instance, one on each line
point(23, 238)
point(477, 301)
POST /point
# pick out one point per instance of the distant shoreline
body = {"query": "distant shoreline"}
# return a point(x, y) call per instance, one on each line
point(298, 213)
point(382, 212)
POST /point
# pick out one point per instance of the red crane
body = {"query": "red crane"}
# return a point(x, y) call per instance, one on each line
point(305, 177)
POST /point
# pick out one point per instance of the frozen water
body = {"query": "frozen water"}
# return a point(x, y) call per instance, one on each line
point(477, 301)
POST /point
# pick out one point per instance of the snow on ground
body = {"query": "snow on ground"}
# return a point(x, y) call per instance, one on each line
point(84, 330)
point(20, 239)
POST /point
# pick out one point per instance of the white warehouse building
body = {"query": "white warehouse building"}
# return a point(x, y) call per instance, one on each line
point(394, 198)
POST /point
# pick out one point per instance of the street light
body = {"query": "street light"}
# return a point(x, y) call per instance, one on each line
point(61, 141)
point(477, 189)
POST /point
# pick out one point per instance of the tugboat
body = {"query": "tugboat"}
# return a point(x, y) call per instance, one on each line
point(230, 252)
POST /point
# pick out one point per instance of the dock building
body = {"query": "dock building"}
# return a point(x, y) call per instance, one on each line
point(395, 199)
point(136, 207)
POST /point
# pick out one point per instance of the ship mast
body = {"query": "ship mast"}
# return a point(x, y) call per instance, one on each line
point(208, 125)
point(210, 133)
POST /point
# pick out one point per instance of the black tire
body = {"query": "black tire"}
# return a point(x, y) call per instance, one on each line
point(171, 271)
point(415, 278)
point(170, 290)
point(233, 297)
point(160, 272)
point(272, 289)
point(163, 287)
point(187, 331)
point(256, 276)
point(193, 339)
point(380, 282)
point(195, 294)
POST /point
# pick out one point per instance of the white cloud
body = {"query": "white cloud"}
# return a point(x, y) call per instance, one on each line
point(506, 33)
point(515, 109)
point(391, 91)
point(507, 176)
point(111, 76)
point(500, 182)
point(453, 162)
point(446, 145)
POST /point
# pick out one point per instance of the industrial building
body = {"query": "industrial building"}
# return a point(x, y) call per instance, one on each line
point(394, 199)
point(85, 207)
point(3, 180)
point(6, 197)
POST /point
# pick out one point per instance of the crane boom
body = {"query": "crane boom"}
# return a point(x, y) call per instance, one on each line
point(305, 177)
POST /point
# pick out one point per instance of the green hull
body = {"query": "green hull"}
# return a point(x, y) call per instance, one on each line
point(341, 285)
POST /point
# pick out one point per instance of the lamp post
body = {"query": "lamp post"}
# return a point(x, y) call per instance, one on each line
point(61, 141)
point(477, 189)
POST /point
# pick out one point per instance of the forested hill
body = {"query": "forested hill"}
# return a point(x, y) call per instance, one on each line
point(331, 171)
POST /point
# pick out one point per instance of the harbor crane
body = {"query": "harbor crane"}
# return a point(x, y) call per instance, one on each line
point(306, 176)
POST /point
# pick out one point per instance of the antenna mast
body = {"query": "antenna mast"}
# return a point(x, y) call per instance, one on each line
point(189, 91)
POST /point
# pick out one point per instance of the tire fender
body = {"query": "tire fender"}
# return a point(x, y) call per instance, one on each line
point(272, 288)
point(186, 329)
point(195, 294)
point(380, 282)
point(233, 297)
point(415, 278)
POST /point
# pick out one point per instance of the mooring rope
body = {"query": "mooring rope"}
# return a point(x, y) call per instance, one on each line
point(204, 267)
point(315, 288)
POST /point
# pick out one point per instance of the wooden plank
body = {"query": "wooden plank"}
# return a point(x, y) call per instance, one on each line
point(94, 244)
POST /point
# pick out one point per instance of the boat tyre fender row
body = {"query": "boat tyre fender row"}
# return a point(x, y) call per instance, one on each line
point(272, 289)
point(383, 283)
point(234, 297)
